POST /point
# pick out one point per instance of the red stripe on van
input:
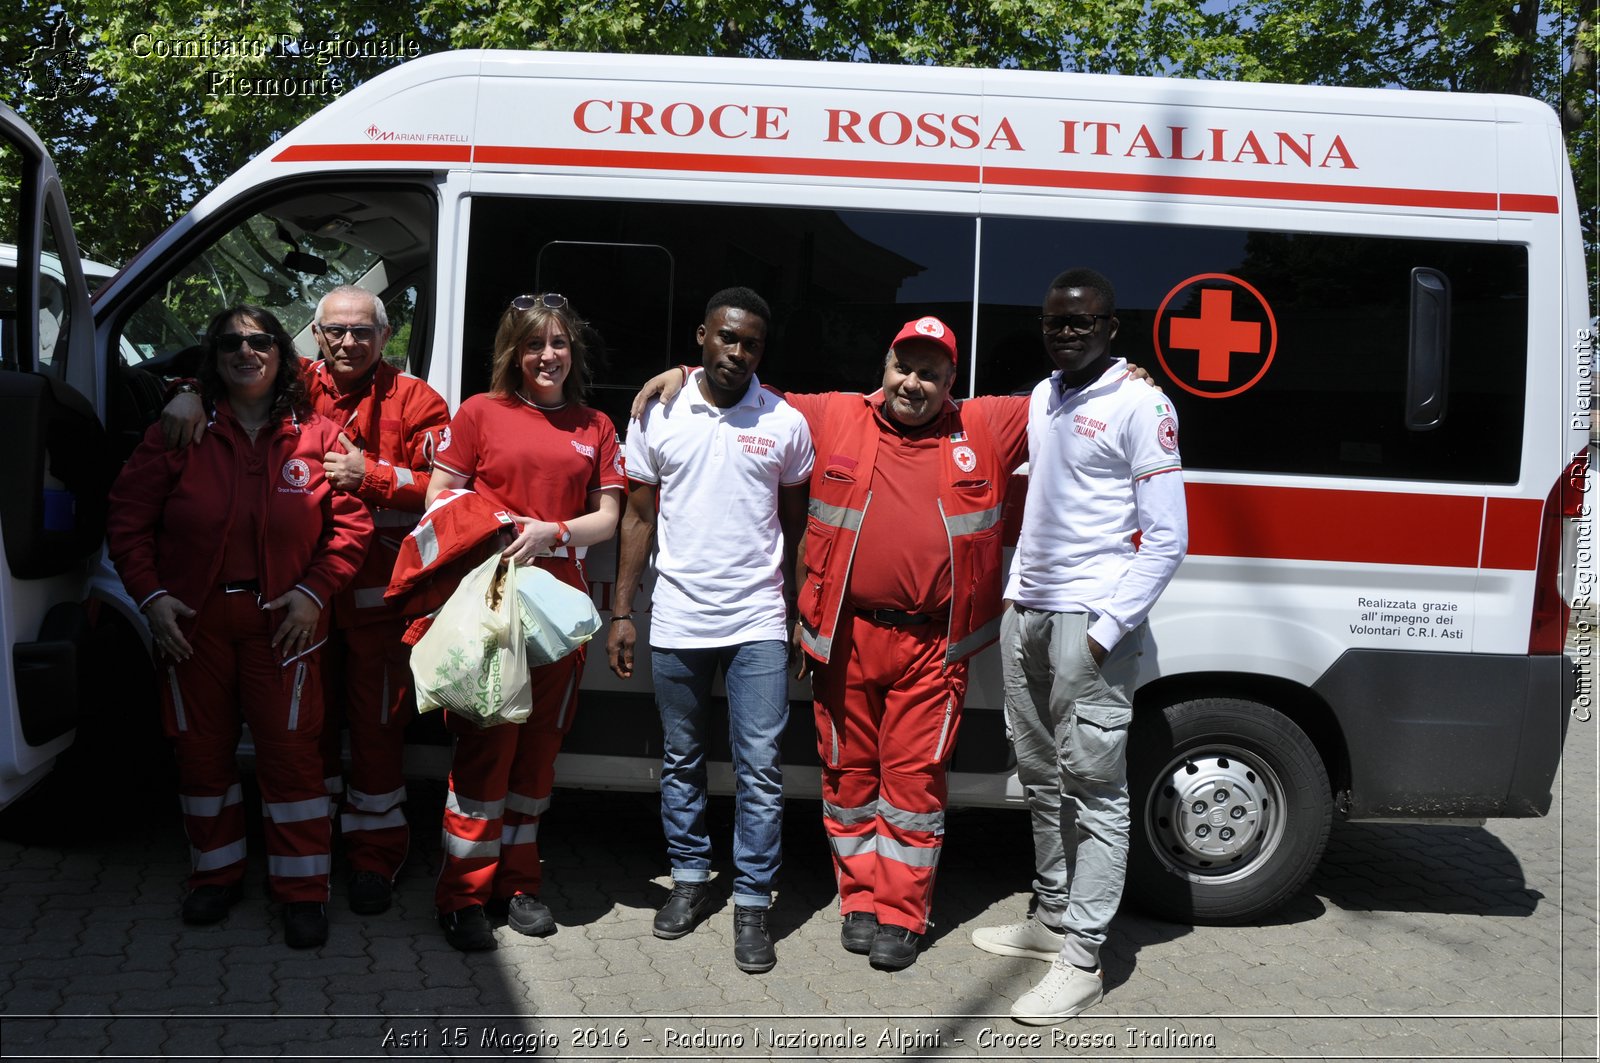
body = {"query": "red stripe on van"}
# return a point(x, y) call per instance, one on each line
point(698, 162)
point(704, 163)
point(1511, 532)
point(1372, 527)
point(1239, 189)
point(1521, 204)
point(375, 153)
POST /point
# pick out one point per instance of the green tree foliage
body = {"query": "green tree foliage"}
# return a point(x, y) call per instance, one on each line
point(140, 132)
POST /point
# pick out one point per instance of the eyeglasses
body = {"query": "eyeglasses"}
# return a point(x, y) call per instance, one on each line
point(1079, 323)
point(549, 300)
point(258, 341)
point(336, 333)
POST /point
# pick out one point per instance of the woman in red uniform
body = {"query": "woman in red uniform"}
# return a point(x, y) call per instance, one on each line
point(533, 448)
point(232, 548)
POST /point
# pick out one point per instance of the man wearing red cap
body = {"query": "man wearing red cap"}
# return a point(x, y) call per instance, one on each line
point(899, 586)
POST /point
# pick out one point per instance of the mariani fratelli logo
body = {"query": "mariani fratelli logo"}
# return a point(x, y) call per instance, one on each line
point(379, 135)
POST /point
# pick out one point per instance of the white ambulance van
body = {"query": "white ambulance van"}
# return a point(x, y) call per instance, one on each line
point(1368, 308)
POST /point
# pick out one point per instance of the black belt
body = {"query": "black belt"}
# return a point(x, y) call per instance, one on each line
point(242, 586)
point(899, 617)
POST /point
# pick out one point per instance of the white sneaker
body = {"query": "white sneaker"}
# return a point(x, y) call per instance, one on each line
point(1065, 992)
point(1031, 938)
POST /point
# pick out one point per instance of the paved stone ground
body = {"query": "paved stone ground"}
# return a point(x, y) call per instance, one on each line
point(1412, 942)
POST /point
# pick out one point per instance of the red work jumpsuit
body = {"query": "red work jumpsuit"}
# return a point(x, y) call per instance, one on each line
point(890, 682)
point(396, 421)
point(174, 515)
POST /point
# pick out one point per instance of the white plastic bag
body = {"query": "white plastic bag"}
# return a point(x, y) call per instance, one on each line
point(471, 661)
point(556, 618)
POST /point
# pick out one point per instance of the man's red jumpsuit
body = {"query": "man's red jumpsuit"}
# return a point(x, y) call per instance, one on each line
point(902, 585)
point(190, 523)
point(395, 420)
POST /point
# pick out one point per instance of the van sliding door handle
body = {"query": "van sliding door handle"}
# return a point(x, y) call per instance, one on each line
point(1428, 377)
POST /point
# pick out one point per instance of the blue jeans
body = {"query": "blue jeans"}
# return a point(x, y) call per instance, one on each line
point(758, 708)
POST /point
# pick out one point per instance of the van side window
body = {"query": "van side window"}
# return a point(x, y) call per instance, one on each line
point(841, 283)
point(285, 257)
point(1204, 309)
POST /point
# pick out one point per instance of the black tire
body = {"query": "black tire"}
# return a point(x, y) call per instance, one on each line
point(1231, 811)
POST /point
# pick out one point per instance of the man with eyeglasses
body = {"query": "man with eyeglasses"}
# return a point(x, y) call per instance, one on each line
point(1104, 473)
point(391, 423)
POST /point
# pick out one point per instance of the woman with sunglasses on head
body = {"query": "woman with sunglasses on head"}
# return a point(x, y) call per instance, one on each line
point(232, 548)
point(531, 447)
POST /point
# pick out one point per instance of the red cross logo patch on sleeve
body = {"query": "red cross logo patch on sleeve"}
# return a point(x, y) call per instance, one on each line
point(1167, 433)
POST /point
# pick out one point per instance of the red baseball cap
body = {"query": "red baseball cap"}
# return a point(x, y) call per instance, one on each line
point(931, 329)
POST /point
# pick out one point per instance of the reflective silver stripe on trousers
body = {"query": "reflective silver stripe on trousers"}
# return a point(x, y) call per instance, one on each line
point(351, 822)
point(376, 802)
point(836, 516)
point(528, 806)
point(466, 849)
point(294, 702)
point(177, 698)
point(910, 855)
point(566, 700)
point(222, 856)
point(519, 834)
point(969, 523)
point(858, 814)
point(844, 848)
point(211, 805)
point(466, 806)
point(298, 866)
point(899, 817)
point(944, 728)
point(296, 811)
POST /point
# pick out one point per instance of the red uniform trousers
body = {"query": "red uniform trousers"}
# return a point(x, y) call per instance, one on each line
point(371, 667)
point(500, 783)
point(887, 711)
point(234, 678)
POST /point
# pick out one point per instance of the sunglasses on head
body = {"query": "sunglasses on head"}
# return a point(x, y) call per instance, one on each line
point(549, 300)
point(258, 341)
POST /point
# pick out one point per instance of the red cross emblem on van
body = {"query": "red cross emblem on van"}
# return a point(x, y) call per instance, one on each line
point(1215, 335)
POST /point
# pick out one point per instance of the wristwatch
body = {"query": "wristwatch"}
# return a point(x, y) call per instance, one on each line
point(563, 533)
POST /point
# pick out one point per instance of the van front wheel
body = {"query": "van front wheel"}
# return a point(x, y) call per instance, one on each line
point(1231, 811)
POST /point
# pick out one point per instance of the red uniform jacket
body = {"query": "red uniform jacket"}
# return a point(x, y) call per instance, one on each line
point(396, 420)
point(171, 514)
point(971, 492)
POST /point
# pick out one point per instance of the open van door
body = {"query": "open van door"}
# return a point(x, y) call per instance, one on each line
point(58, 465)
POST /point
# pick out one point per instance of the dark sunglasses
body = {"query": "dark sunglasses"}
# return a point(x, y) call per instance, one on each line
point(549, 300)
point(337, 333)
point(258, 341)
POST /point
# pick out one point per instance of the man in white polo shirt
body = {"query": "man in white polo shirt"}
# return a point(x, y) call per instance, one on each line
point(1103, 468)
point(728, 462)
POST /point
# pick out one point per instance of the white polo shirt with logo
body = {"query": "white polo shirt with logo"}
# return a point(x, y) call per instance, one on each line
point(1103, 464)
point(719, 545)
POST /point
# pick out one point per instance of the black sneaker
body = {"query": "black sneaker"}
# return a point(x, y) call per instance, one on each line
point(894, 947)
point(524, 913)
point(858, 932)
point(305, 924)
point(683, 909)
point(468, 929)
point(370, 893)
point(209, 904)
point(752, 945)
